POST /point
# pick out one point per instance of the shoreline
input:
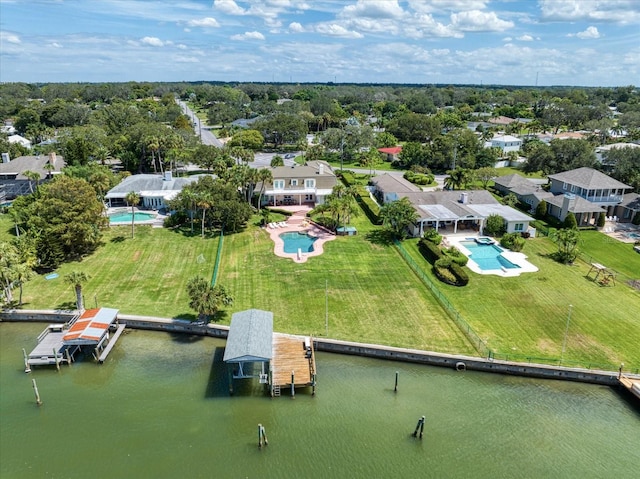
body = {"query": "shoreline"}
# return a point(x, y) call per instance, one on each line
point(452, 361)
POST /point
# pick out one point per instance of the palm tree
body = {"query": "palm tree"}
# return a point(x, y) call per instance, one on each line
point(33, 177)
point(77, 278)
point(205, 298)
point(265, 176)
point(204, 201)
point(133, 199)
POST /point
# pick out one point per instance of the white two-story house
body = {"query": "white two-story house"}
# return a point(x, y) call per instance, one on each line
point(310, 184)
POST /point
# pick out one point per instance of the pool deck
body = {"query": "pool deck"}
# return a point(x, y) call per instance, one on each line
point(519, 259)
point(298, 222)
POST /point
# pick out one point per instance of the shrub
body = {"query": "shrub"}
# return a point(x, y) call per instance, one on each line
point(445, 275)
point(456, 256)
point(541, 210)
point(429, 250)
point(462, 279)
point(601, 220)
point(513, 241)
point(494, 226)
point(433, 236)
point(370, 207)
point(348, 178)
point(570, 221)
point(636, 219)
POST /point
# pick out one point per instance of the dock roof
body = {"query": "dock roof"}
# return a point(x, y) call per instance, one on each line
point(91, 326)
point(250, 337)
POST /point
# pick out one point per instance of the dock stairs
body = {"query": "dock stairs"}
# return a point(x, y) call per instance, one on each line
point(276, 391)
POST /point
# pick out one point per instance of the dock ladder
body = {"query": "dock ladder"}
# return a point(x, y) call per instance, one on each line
point(276, 390)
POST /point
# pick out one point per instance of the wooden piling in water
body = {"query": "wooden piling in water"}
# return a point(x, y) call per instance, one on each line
point(419, 426)
point(264, 436)
point(35, 390)
point(293, 385)
point(259, 435)
point(313, 384)
point(55, 356)
point(395, 388)
point(68, 356)
point(27, 368)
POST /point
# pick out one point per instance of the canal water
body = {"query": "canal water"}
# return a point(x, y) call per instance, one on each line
point(159, 407)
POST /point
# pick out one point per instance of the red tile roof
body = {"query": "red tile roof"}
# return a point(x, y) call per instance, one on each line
point(391, 151)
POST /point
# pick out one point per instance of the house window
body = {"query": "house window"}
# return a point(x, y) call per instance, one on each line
point(294, 182)
point(278, 184)
point(564, 186)
point(308, 197)
point(310, 183)
point(573, 188)
point(627, 213)
point(519, 227)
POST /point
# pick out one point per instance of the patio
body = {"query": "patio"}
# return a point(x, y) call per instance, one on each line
point(624, 232)
point(299, 223)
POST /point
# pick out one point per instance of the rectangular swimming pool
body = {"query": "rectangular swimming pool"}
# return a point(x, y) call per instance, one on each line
point(488, 256)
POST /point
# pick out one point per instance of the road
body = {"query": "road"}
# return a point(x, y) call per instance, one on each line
point(203, 131)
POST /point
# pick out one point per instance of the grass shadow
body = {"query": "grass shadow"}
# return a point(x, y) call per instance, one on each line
point(118, 239)
point(67, 305)
point(380, 237)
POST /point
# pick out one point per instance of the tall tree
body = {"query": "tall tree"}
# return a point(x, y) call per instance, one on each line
point(397, 216)
point(77, 279)
point(133, 199)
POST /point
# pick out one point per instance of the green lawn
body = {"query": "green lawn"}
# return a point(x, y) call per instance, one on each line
point(507, 170)
point(146, 275)
point(527, 315)
point(600, 248)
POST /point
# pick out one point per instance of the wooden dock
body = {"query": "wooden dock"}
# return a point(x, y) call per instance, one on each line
point(111, 343)
point(632, 385)
point(292, 355)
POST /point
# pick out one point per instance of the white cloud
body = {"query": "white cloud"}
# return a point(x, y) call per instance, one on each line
point(55, 45)
point(248, 36)
point(229, 7)
point(477, 21)
point(447, 5)
point(335, 30)
point(9, 37)
point(589, 33)
point(525, 38)
point(618, 11)
point(153, 41)
point(207, 22)
point(379, 9)
point(507, 39)
point(296, 27)
point(181, 46)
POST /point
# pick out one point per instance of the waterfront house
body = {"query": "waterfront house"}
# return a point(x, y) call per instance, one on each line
point(12, 172)
point(309, 184)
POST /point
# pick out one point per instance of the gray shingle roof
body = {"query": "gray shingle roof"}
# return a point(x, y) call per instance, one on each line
point(147, 182)
point(393, 184)
point(31, 163)
point(250, 337)
point(509, 181)
point(579, 206)
point(589, 179)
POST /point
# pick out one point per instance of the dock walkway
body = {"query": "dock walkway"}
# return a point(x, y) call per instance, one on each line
point(292, 355)
point(632, 385)
point(111, 343)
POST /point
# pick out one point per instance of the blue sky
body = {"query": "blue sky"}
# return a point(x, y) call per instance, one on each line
point(510, 42)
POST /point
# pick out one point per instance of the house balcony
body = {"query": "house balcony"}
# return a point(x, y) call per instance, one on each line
point(611, 199)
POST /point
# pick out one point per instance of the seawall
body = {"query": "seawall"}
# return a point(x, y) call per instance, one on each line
point(458, 362)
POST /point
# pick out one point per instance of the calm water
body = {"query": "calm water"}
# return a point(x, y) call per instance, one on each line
point(126, 217)
point(294, 241)
point(488, 257)
point(159, 408)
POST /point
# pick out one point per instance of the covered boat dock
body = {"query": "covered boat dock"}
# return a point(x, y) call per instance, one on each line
point(285, 360)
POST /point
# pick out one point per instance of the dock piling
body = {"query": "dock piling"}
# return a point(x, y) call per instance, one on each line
point(419, 427)
point(55, 356)
point(395, 388)
point(293, 385)
point(68, 356)
point(264, 436)
point(259, 435)
point(27, 368)
point(35, 390)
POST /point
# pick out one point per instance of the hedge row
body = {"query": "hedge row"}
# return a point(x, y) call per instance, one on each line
point(348, 178)
point(433, 253)
point(370, 207)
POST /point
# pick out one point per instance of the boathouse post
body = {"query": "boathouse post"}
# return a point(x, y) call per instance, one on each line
point(27, 368)
point(35, 390)
point(55, 356)
point(259, 435)
point(421, 427)
point(264, 436)
point(313, 384)
point(293, 385)
point(420, 423)
point(68, 356)
point(395, 388)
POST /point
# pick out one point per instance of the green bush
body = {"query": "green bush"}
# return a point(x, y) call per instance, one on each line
point(513, 241)
point(636, 219)
point(601, 219)
point(570, 221)
point(462, 279)
point(456, 255)
point(445, 275)
point(370, 207)
point(494, 226)
point(433, 236)
point(347, 177)
point(429, 250)
point(419, 178)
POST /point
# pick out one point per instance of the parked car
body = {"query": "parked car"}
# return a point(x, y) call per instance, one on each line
point(289, 156)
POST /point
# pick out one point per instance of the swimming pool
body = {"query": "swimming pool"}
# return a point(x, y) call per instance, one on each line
point(294, 241)
point(488, 256)
point(633, 236)
point(126, 217)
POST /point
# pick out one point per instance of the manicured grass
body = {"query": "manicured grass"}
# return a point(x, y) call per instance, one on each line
point(144, 275)
point(508, 170)
point(372, 296)
point(527, 315)
point(600, 248)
